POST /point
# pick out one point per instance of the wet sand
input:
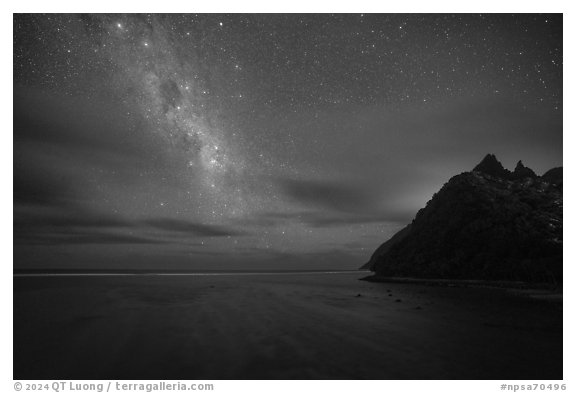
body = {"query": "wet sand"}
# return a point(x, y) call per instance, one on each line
point(285, 326)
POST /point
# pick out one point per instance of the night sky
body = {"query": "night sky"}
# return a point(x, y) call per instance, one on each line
point(263, 141)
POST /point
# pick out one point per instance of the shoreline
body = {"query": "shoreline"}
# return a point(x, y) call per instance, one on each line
point(176, 273)
point(539, 291)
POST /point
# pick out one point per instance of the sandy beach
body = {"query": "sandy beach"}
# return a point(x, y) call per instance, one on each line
point(283, 326)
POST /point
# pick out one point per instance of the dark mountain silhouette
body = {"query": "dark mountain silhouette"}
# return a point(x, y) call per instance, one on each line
point(488, 224)
point(522, 172)
point(554, 175)
point(385, 247)
point(491, 166)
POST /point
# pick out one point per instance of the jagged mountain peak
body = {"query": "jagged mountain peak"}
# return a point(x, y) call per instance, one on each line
point(522, 172)
point(491, 166)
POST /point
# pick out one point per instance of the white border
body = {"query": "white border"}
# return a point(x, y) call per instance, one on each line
point(229, 6)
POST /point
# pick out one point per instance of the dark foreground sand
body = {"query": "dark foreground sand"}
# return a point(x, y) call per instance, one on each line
point(278, 327)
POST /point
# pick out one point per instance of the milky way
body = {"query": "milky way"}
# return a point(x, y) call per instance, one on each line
point(160, 78)
point(261, 141)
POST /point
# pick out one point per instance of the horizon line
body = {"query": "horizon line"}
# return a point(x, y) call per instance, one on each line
point(185, 274)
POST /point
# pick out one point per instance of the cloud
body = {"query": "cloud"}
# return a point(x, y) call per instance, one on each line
point(86, 143)
point(191, 228)
point(78, 238)
point(318, 219)
point(328, 195)
point(71, 224)
point(403, 156)
point(32, 220)
point(71, 157)
point(77, 224)
point(73, 125)
point(323, 220)
point(37, 186)
point(85, 227)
